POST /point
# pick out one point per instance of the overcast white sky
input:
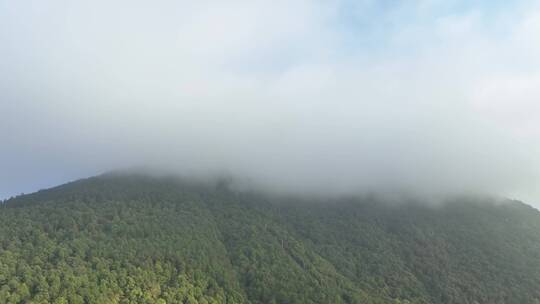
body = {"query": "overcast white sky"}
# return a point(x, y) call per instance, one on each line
point(425, 96)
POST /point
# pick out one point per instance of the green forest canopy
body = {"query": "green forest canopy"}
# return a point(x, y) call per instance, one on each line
point(135, 239)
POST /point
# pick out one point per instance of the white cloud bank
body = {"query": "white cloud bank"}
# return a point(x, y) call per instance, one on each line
point(296, 95)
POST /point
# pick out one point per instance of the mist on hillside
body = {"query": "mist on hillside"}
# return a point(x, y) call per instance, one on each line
point(287, 96)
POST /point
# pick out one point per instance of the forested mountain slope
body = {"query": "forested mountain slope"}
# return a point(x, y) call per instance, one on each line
point(134, 239)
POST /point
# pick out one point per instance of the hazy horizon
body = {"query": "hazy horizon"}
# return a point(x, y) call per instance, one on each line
point(427, 97)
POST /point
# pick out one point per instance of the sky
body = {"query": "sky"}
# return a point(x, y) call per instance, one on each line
point(419, 96)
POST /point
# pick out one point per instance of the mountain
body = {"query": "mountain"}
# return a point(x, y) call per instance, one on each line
point(120, 238)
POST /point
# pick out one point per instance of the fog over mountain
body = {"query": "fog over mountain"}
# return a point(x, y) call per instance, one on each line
point(429, 97)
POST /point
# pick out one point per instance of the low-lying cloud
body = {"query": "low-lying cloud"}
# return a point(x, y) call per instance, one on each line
point(332, 97)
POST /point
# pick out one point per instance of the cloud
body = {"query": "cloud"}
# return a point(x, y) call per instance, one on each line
point(292, 95)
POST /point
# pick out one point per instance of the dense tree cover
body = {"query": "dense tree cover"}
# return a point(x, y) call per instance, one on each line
point(135, 239)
